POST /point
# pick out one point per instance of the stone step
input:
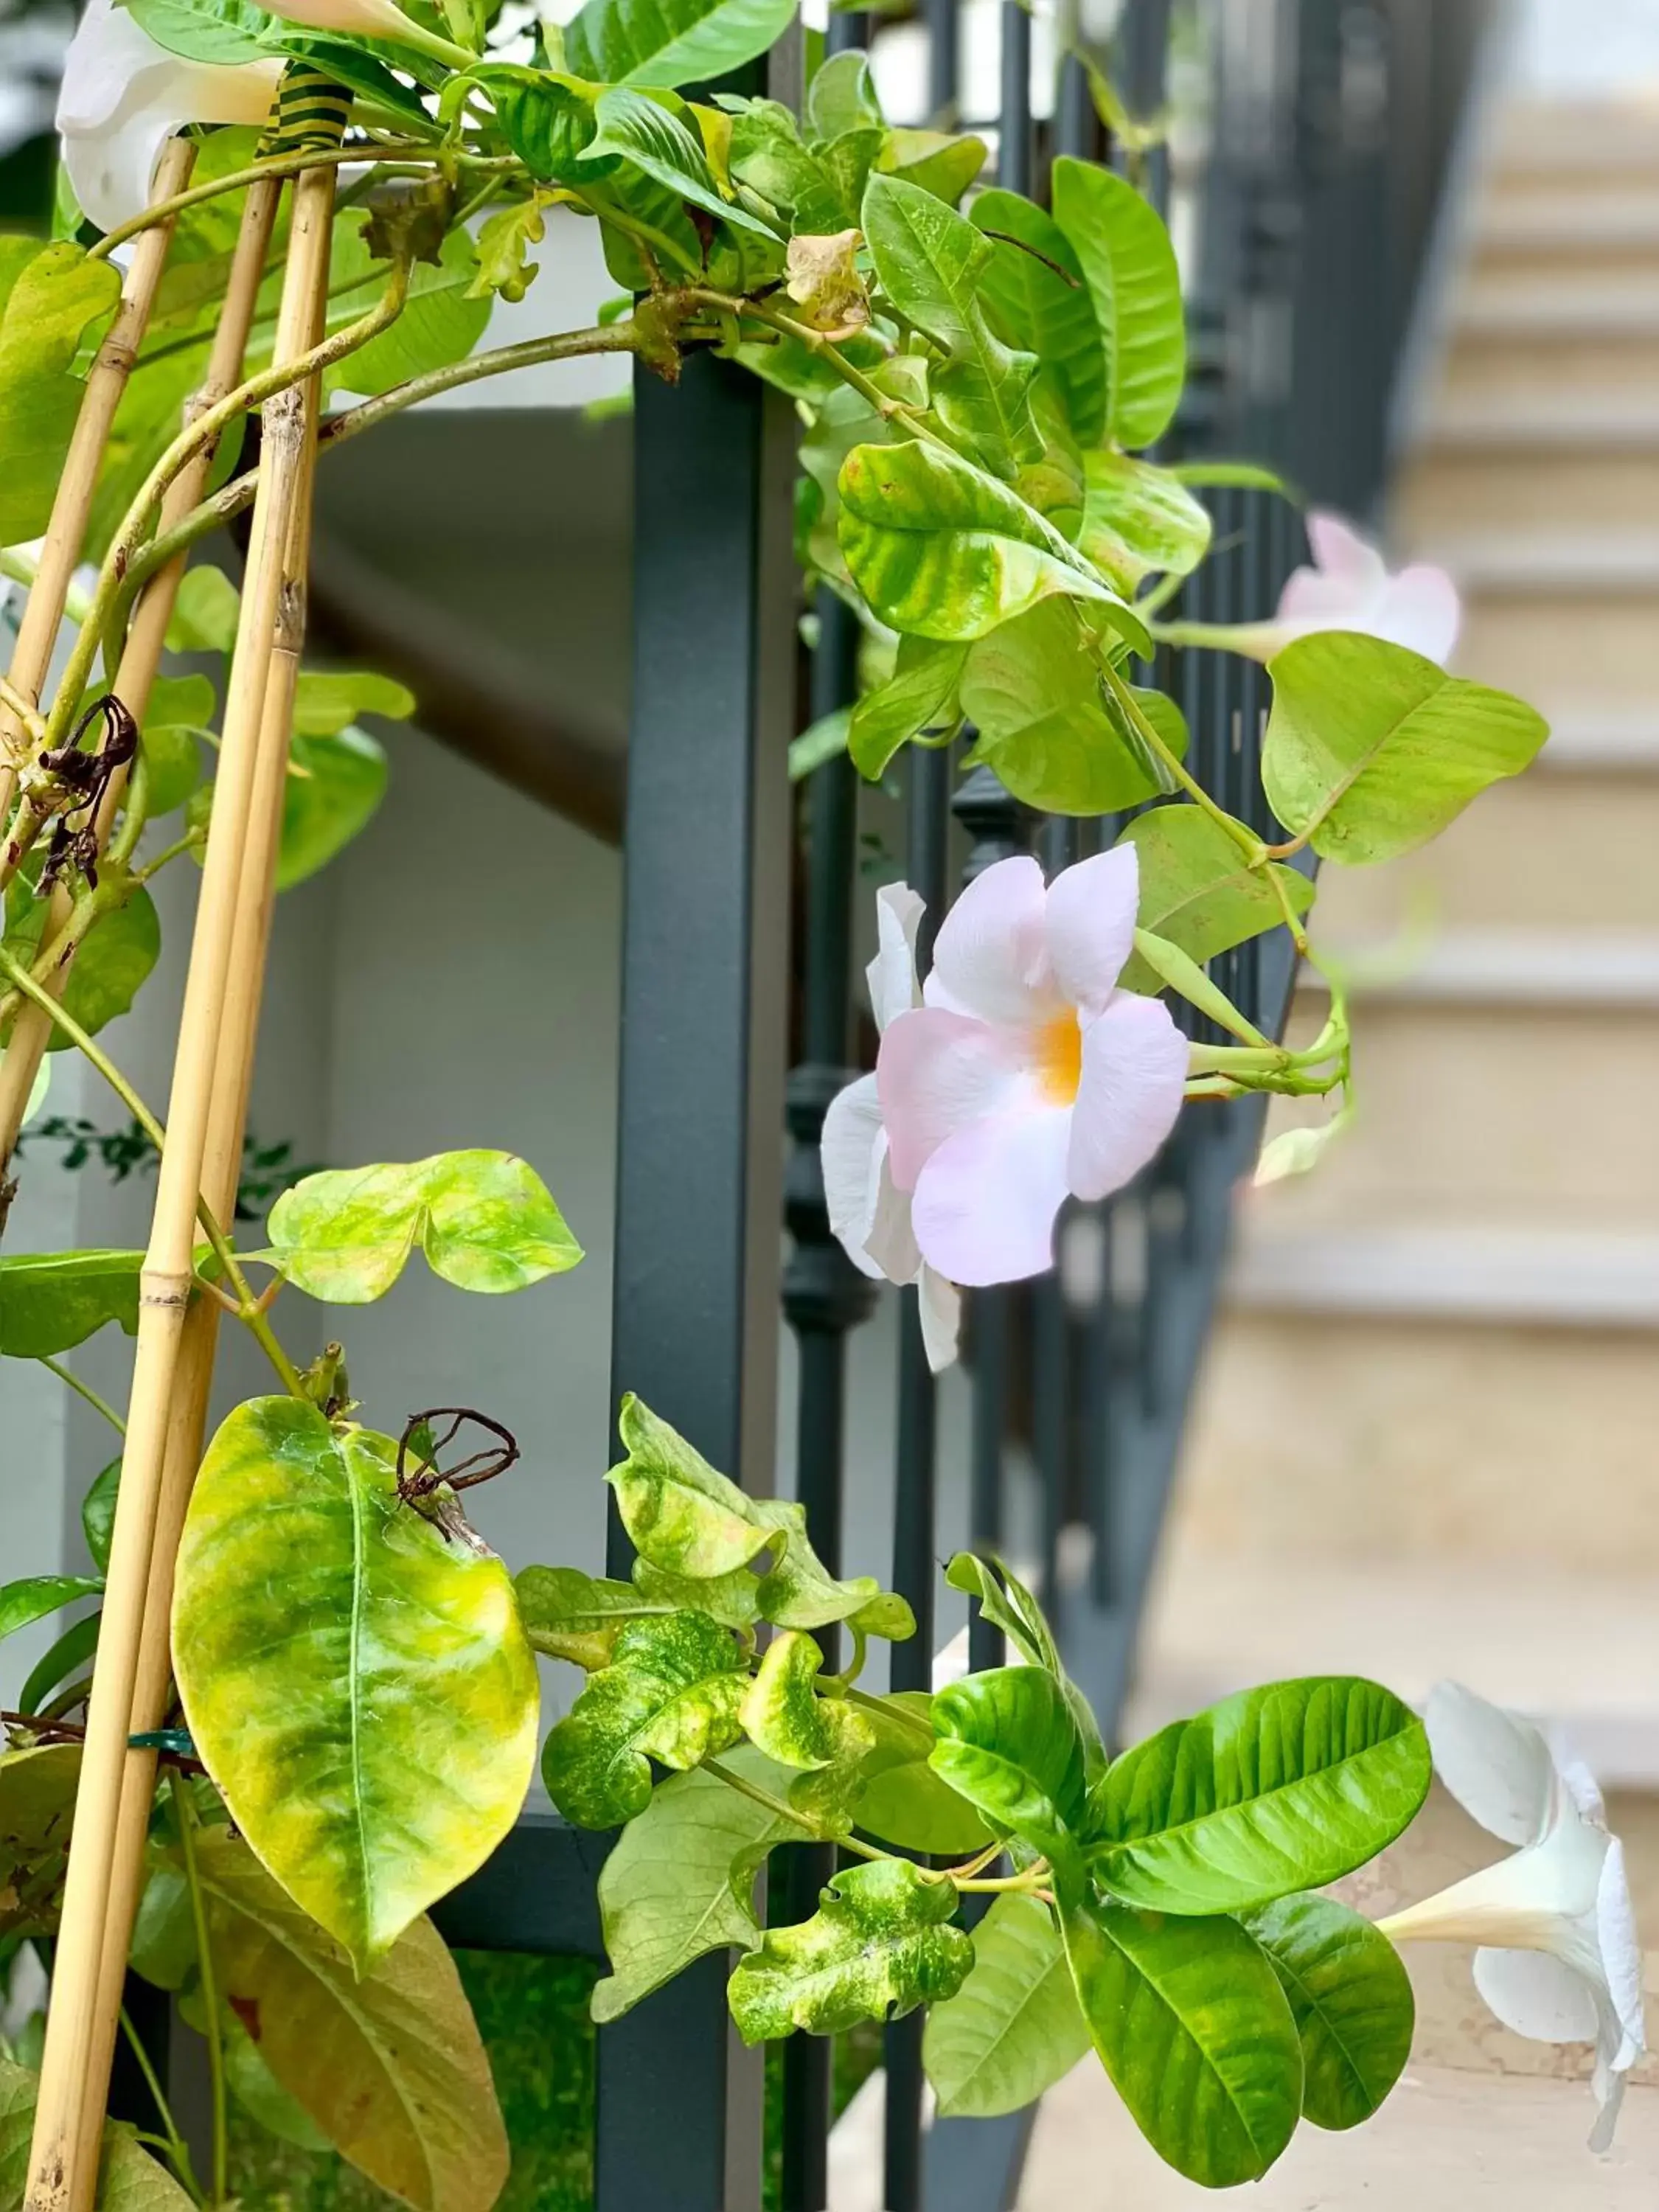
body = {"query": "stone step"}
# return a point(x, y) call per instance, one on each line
point(1446, 2141)
point(1505, 366)
point(1459, 1395)
point(1444, 491)
point(1599, 652)
point(1566, 562)
point(1530, 141)
point(1590, 313)
point(1587, 215)
point(1501, 972)
point(1568, 422)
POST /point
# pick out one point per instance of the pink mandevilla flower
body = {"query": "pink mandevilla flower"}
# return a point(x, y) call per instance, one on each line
point(1349, 588)
point(1026, 1075)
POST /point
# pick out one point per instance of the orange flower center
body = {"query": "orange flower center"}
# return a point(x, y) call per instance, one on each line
point(1060, 1058)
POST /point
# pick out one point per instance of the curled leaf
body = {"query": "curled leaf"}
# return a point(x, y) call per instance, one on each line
point(823, 280)
point(673, 1691)
point(784, 1716)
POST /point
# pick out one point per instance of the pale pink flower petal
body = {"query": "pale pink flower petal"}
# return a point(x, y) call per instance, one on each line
point(940, 1304)
point(1091, 924)
point(853, 1150)
point(986, 1202)
point(1420, 609)
point(938, 1072)
point(1343, 554)
point(891, 975)
point(1497, 1767)
point(1134, 1075)
point(991, 957)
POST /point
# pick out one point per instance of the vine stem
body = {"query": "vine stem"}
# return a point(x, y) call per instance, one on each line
point(1249, 844)
point(68, 920)
point(234, 498)
point(215, 2037)
point(177, 2148)
point(63, 2154)
point(84, 1390)
point(759, 1796)
point(890, 410)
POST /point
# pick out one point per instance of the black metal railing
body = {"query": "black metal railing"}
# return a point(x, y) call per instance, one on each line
point(1306, 215)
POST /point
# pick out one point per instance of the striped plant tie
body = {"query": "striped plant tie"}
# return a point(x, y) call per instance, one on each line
point(310, 113)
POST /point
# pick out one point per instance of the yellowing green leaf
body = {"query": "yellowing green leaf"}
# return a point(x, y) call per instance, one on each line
point(571, 1616)
point(1197, 891)
point(918, 698)
point(680, 1512)
point(357, 1681)
point(673, 1691)
point(895, 1795)
point(36, 1807)
point(1014, 2028)
point(485, 1221)
point(1139, 520)
point(50, 296)
point(1371, 751)
point(129, 2179)
point(879, 1946)
point(784, 1716)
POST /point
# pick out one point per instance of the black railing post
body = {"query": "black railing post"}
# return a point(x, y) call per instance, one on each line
point(698, 1184)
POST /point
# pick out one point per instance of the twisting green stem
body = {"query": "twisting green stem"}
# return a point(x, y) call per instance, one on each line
point(84, 1390)
point(776, 1805)
point(1248, 843)
point(895, 1716)
point(186, 1812)
point(774, 319)
point(192, 842)
point(172, 2141)
point(1032, 1878)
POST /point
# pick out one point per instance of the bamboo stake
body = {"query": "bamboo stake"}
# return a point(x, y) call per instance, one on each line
point(140, 657)
point(63, 2147)
point(106, 380)
point(221, 1173)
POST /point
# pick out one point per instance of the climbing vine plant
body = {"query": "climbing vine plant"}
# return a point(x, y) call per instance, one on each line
point(345, 1715)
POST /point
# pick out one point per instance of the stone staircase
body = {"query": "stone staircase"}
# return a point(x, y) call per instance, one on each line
point(1428, 1439)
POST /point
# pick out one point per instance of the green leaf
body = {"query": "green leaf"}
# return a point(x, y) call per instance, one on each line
point(1284, 1788)
point(877, 1947)
point(260, 2094)
point(822, 741)
point(1008, 1604)
point(332, 791)
point(73, 1648)
point(545, 118)
point(1191, 2023)
point(98, 1514)
point(1371, 750)
point(1351, 2001)
point(180, 708)
point(571, 1616)
point(504, 242)
point(50, 296)
point(800, 1592)
point(1032, 287)
point(325, 700)
point(635, 127)
point(354, 1678)
point(680, 1881)
point(206, 612)
point(929, 262)
point(769, 156)
point(1009, 1742)
point(1243, 476)
point(36, 1805)
point(896, 1794)
point(677, 1511)
point(1139, 520)
point(442, 322)
point(22, 1603)
point(940, 550)
point(843, 96)
point(1129, 267)
point(116, 956)
point(1015, 2027)
point(673, 1691)
point(50, 1301)
point(733, 1600)
point(671, 42)
point(919, 697)
point(784, 1716)
point(1046, 728)
point(1196, 890)
point(129, 2179)
point(387, 2065)
point(942, 162)
point(485, 1221)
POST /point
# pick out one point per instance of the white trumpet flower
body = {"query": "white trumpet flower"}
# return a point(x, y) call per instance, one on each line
point(1559, 1960)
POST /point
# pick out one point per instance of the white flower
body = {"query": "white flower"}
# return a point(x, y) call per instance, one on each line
point(1347, 587)
point(1560, 1960)
point(124, 97)
point(867, 1213)
point(358, 19)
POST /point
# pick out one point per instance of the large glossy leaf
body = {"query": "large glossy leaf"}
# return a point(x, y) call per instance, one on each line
point(1129, 267)
point(1371, 751)
point(919, 697)
point(546, 118)
point(768, 154)
point(1014, 2028)
point(1197, 891)
point(784, 1716)
point(1351, 1998)
point(1275, 1789)
point(897, 1795)
point(1007, 1603)
point(671, 42)
point(22, 1603)
point(680, 1880)
point(129, 2179)
point(1033, 692)
point(1190, 2022)
point(879, 1946)
point(50, 294)
point(942, 162)
point(36, 1805)
point(51, 1301)
point(1032, 287)
point(357, 1681)
point(389, 2066)
point(1139, 520)
point(336, 786)
point(571, 1616)
point(929, 262)
point(441, 323)
point(485, 1220)
point(98, 1514)
point(1010, 1744)
point(673, 1691)
point(118, 954)
point(941, 549)
point(636, 127)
